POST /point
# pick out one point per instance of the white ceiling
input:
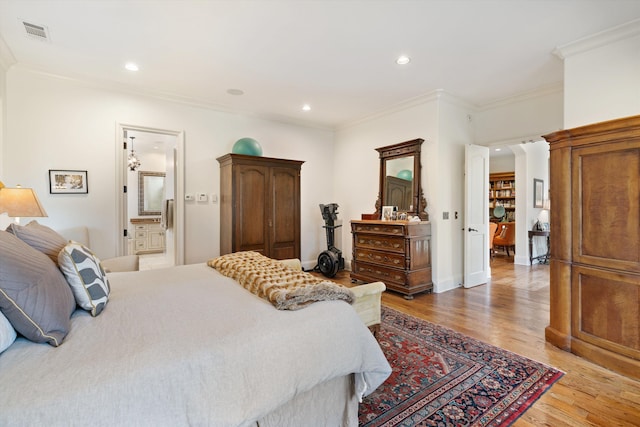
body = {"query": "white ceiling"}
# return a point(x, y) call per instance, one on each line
point(337, 56)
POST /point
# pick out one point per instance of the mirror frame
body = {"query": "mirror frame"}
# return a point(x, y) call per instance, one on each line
point(403, 149)
point(141, 176)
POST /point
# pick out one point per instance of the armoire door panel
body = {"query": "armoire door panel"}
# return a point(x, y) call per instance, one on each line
point(284, 236)
point(251, 208)
point(608, 312)
point(607, 196)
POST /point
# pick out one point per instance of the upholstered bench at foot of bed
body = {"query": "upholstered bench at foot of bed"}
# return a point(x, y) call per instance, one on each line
point(367, 303)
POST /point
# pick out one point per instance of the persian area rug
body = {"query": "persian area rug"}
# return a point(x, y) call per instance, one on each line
point(443, 378)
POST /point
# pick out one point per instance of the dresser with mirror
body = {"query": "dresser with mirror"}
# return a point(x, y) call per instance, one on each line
point(396, 249)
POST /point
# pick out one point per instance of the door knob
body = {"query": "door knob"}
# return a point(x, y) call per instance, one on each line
point(472, 229)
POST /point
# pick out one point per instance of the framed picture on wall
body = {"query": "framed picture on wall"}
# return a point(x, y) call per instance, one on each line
point(538, 193)
point(68, 182)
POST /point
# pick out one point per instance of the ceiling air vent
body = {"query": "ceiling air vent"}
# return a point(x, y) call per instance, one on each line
point(38, 32)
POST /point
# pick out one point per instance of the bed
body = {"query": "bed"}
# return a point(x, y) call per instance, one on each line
point(189, 346)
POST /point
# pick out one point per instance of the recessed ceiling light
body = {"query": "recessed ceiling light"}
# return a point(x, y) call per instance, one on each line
point(306, 107)
point(403, 60)
point(235, 92)
point(131, 66)
point(498, 149)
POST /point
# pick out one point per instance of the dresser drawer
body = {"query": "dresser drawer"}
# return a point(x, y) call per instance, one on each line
point(387, 259)
point(375, 272)
point(380, 242)
point(396, 229)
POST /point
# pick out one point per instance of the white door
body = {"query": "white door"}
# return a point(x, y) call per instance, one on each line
point(476, 216)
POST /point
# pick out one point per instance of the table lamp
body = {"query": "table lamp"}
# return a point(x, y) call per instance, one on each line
point(20, 202)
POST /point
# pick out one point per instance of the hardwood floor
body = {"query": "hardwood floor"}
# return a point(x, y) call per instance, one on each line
point(511, 312)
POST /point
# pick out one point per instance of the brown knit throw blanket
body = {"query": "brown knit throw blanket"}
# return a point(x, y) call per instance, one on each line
point(285, 288)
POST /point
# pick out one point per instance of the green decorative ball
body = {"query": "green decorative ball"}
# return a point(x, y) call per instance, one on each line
point(248, 146)
point(405, 174)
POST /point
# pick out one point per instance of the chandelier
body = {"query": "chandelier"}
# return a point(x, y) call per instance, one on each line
point(133, 161)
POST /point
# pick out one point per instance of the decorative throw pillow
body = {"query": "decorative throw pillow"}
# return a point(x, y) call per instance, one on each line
point(34, 295)
point(86, 277)
point(39, 237)
point(7, 333)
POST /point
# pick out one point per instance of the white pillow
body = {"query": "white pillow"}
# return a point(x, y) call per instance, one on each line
point(7, 333)
point(86, 277)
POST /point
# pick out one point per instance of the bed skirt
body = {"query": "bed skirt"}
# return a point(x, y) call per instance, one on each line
point(331, 403)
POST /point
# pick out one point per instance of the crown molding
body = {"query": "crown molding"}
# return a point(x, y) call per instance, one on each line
point(6, 56)
point(433, 96)
point(629, 29)
point(518, 140)
point(551, 89)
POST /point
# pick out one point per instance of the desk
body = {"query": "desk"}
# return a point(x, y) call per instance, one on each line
point(544, 257)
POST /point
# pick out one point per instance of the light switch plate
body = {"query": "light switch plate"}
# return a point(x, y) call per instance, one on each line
point(189, 197)
point(202, 197)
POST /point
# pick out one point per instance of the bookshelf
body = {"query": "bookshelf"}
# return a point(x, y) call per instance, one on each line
point(502, 192)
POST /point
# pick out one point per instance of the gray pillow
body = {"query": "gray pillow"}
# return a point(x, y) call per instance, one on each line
point(34, 294)
point(85, 275)
point(40, 237)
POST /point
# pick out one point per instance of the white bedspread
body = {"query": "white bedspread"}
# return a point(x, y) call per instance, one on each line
point(184, 346)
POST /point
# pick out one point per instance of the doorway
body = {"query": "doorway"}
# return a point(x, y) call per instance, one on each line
point(502, 198)
point(528, 161)
point(151, 208)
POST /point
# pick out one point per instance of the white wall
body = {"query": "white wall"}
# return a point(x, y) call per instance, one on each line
point(63, 124)
point(4, 218)
point(535, 165)
point(502, 163)
point(357, 165)
point(602, 83)
point(525, 116)
point(444, 125)
point(456, 131)
point(3, 99)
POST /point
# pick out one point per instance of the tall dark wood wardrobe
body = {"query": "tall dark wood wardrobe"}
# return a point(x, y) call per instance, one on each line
point(260, 205)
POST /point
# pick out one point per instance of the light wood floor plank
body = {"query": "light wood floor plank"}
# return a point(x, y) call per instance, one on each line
point(511, 312)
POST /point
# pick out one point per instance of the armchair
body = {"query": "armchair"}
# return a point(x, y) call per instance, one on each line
point(122, 263)
point(493, 228)
point(506, 236)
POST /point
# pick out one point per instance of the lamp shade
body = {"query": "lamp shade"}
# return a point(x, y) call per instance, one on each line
point(20, 202)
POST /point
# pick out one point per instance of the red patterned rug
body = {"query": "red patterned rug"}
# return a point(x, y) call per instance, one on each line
point(443, 378)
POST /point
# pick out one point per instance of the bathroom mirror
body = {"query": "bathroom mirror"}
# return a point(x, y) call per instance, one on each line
point(150, 192)
point(400, 174)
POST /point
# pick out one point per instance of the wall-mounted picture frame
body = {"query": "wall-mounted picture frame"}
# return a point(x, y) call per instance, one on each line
point(538, 193)
point(68, 181)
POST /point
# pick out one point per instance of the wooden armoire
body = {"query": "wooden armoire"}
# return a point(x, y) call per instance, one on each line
point(260, 205)
point(595, 243)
